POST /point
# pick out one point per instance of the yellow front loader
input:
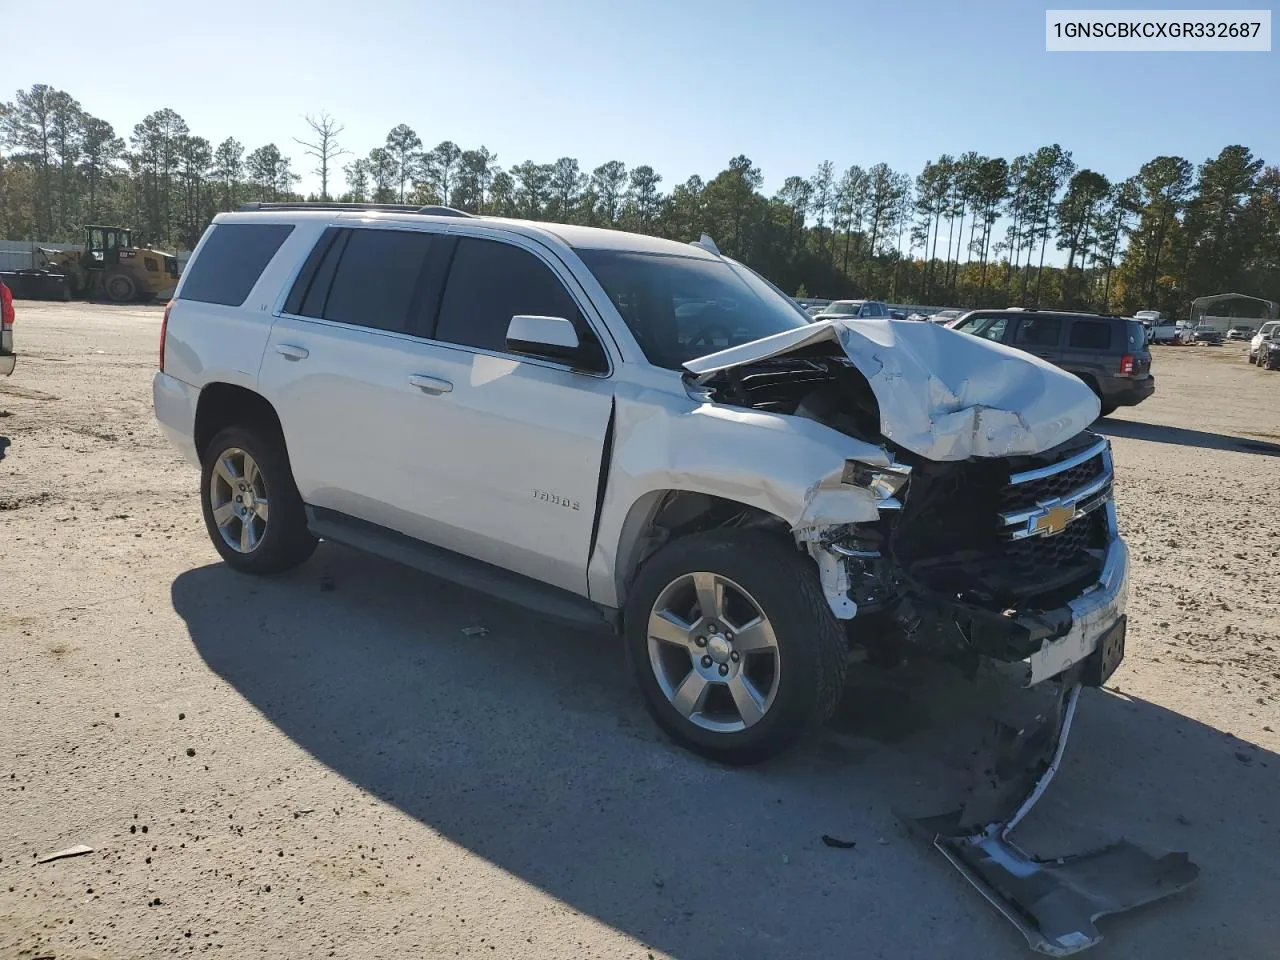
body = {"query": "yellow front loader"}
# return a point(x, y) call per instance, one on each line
point(110, 267)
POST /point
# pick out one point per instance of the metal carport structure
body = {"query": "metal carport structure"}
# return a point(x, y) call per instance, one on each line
point(1199, 303)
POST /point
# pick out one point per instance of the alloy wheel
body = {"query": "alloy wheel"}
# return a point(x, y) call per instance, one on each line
point(238, 496)
point(713, 652)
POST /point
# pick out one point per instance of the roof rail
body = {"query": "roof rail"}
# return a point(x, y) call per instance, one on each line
point(431, 210)
point(327, 205)
point(435, 210)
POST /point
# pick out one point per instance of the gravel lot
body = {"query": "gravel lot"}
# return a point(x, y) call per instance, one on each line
point(269, 768)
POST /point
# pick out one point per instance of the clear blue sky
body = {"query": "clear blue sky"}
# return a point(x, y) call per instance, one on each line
point(682, 86)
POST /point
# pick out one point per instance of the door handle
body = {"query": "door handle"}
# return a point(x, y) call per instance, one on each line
point(432, 385)
point(291, 352)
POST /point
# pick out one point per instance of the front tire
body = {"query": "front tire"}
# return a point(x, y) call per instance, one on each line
point(120, 288)
point(733, 645)
point(252, 508)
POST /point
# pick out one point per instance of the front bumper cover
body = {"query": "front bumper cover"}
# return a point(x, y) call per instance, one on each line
point(1055, 902)
point(1093, 613)
point(1033, 646)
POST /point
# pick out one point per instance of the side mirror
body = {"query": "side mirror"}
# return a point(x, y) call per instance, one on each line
point(551, 338)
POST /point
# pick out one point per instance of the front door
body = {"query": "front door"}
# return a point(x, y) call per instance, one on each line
point(512, 470)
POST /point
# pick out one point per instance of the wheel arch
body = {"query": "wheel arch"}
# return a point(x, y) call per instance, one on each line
point(223, 404)
point(663, 515)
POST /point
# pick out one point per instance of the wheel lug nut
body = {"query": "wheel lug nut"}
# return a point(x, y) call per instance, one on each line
point(728, 636)
point(239, 499)
point(700, 641)
point(706, 661)
point(734, 656)
point(724, 669)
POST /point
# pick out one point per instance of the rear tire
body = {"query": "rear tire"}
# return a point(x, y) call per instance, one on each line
point(252, 508)
point(1107, 409)
point(773, 635)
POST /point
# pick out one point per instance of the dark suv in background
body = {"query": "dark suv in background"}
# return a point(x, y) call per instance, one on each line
point(1108, 353)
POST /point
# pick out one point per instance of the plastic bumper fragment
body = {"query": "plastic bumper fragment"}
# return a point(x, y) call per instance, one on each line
point(1053, 902)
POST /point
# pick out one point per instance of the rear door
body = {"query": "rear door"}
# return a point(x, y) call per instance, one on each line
point(1093, 348)
point(337, 369)
point(1040, 334)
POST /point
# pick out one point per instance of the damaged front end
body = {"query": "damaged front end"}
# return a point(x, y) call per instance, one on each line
point(975, 542)
point(1015, 560)
point(994, 541)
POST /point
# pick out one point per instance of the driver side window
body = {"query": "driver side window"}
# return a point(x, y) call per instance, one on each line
point(475, 311)
point(995, 329)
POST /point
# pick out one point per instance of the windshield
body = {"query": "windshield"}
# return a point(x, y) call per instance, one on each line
point(679, 308)
point(842, 306)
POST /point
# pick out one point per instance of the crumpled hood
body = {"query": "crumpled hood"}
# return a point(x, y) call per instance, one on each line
point(942, 394)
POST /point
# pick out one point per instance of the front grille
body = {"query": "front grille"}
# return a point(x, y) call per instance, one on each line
point(1077, 551)
point(1023, 496)
point(951, 538)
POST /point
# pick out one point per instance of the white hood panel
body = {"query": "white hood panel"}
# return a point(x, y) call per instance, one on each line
point(943, 395)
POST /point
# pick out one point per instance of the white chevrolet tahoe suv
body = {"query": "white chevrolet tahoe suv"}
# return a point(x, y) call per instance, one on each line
point(644, 433)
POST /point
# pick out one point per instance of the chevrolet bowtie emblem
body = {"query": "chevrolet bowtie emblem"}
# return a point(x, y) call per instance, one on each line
point(1053, 520)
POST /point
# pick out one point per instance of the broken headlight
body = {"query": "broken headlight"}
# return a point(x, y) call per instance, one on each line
point(883, 482)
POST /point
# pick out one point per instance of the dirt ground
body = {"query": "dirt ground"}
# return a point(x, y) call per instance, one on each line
point(272, 768)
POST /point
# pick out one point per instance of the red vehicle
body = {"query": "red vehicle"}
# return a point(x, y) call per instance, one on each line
point(7, 356)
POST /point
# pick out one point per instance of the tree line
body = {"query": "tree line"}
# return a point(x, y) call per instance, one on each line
point(967, 230)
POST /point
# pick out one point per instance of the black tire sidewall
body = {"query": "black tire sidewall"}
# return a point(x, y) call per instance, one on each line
point(127, 284)
point(784, 584)
point(286, 541)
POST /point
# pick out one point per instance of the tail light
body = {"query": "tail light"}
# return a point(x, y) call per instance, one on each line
point(164, 330)
point(1126, 365)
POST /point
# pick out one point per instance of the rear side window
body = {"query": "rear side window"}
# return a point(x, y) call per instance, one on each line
point(1038, 332)
point(373, 279)
point(491, 282)
point(231, 261)
point(1091, 334)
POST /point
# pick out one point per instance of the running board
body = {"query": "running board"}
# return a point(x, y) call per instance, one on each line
point(1055, 902)
point(465, 571)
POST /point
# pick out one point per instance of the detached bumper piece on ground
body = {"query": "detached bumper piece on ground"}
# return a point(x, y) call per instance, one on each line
point(1055, 902)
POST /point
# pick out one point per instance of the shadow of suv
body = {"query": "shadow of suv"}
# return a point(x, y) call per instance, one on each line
point(1108, 353)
